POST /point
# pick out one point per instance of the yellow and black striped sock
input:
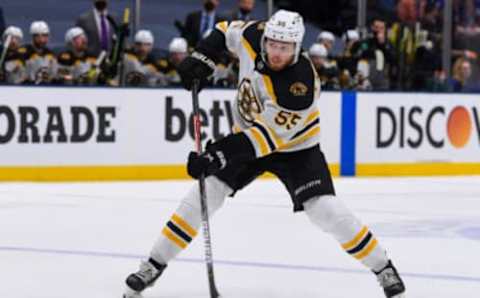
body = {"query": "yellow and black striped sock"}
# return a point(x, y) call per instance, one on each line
point(365, 248)
point(179, 231)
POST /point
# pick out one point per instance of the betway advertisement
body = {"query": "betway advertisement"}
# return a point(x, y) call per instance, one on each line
point(417, 128)
point(115, 127)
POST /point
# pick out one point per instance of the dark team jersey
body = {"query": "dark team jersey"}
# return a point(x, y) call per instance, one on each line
point(168, 69)
point(140, 72)
point(75, 68)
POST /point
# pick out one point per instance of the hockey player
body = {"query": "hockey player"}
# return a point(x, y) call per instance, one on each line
point(326, 68)
point(40, 62)
point(177, 52)
point(16, 38)
point(13, 69)
point(277, 127)
point(139, 64)
point(75, 63)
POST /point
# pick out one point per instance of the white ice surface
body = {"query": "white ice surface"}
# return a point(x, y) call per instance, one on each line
point(82, 240)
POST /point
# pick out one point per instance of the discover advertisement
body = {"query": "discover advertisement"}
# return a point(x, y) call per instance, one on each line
point(424, 130)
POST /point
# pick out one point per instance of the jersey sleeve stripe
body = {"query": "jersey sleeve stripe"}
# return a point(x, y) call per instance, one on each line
point(313, 115)
point(266, 135)
point(258, 141)
point(249, 49)
point(310, 134)
point(222, 26)
point(269, 87)
point(306, 128)
point(277, 140)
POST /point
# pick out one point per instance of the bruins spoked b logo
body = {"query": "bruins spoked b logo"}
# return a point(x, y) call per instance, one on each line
point(298, 89)
point(247, 102)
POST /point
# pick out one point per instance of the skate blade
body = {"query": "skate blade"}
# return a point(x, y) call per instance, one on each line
point(129, 293)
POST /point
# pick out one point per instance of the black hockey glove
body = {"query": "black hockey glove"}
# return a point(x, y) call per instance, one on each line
point(207, 163)
point(234, 149)
point(196, 66)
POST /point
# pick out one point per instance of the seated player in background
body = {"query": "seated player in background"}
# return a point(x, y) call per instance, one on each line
point(140, 67)
point(75, 63)
point(13, 69)
point(40, 62)
point(276, 130)
point(177, 52)
point(326, 68)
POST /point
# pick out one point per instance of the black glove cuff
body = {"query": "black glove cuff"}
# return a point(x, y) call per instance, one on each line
point(204, 59)
point(235, 148)
point(218, 158)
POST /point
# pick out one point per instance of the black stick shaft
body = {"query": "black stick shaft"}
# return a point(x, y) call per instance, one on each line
point(203, 199)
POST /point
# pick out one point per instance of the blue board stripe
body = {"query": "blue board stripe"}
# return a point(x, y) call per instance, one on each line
point(349, 121)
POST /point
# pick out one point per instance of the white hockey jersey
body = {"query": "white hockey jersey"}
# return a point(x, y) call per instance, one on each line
point(276, 110)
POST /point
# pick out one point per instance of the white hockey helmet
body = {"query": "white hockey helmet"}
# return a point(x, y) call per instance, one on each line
point(73, 33)
point(12, 31)
point(351, 35)
point(144, 36)
point(178, 45)
point(326, 35)
point(286, 26)
point(318, 50)
point(39, 27)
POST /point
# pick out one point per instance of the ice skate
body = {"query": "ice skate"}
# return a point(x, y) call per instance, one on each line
point(145, 277)
point(391, 282)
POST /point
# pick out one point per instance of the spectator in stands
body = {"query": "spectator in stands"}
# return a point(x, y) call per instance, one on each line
point(407, 11)
point(13, 70)
point(75, 63)
point(199, 23)
point(427, 60)
point(466, 37)
point(439, 82)
point(178, 50)
point(431, 19)
point(463, 12)
point(39, 60)
point(379, 53)
point(2, 21)
point(242, 12)
point(140, 67)
point(462, 74)
point(327, 69)
point(99, 26)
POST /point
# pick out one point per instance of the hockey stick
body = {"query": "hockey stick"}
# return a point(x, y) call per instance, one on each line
point(203, 199)
point(6, 45)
